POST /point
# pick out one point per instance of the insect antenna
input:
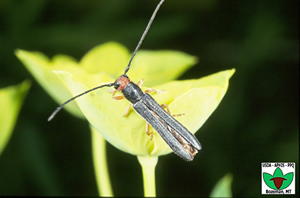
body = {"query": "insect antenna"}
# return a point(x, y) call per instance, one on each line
point(144, 34)
point(126, 70)
point(71, 99)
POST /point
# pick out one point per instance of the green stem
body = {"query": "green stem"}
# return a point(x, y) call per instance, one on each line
point(148, 164)
point(100, 164)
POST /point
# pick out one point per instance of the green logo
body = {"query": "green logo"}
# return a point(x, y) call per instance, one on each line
point(278, 181)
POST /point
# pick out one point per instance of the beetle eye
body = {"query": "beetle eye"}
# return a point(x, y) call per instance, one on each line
point(117, 84)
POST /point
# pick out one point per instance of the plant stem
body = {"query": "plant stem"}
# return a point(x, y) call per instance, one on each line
point(100, 164)
point(148, 164)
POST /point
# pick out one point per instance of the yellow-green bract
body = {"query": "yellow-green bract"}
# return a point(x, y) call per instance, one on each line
point(197, 99)
point(11, 101)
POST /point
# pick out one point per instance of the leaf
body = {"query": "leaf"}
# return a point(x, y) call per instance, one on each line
point(41, 68)
point(223, 187)
point(128, 133)
point(158, 67)
point(11, 101)
point(197, 99)
point(103, 63)
point(110, 58)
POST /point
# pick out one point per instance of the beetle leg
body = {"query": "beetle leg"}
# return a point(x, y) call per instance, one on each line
point(120, 98)
point(148, 131)
point(169, 111)
point(140, 82)
point(150, 89)
point(154, 90)
point(117, 97)
point(127, 110)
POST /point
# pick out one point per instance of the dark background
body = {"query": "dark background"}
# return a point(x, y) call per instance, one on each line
point(256, 122)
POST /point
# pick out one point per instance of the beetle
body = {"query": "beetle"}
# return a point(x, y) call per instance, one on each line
point(180, 139)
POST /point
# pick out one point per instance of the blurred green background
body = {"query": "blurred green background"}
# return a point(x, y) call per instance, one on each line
point(256, 122)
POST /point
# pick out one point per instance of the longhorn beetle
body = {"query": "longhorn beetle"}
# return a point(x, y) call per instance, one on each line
point(179, 139)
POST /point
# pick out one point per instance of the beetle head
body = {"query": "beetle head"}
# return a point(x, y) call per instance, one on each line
point(121, 82)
